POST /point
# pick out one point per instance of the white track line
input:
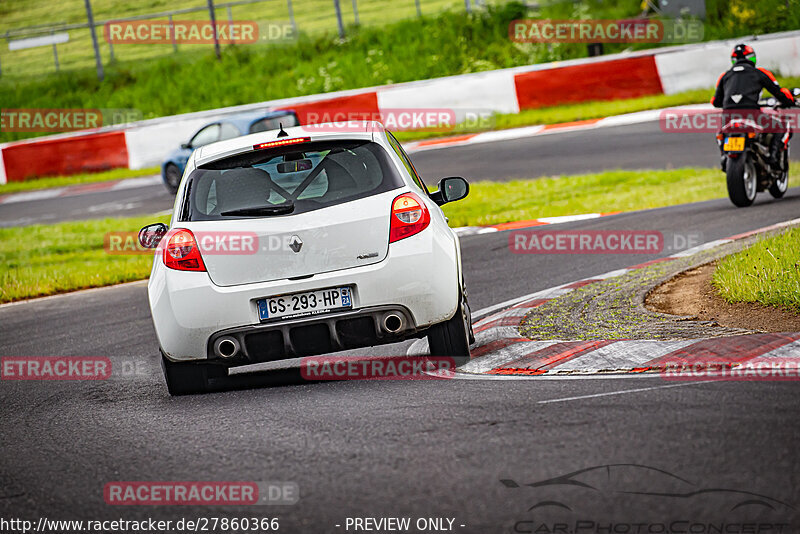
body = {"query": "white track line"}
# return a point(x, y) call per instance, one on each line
point(524, 132)
point(42, 194)
point(130, 183)
point(45, 194)
point(460, 375)
point(637, 390)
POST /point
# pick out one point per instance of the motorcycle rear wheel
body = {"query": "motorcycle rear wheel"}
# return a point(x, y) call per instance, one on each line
point(779, 187)
point(742, 181)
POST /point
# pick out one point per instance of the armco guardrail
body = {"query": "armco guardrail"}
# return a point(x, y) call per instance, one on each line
point(660, 71)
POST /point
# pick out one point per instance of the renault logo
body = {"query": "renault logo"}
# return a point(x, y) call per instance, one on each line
point(295, 243)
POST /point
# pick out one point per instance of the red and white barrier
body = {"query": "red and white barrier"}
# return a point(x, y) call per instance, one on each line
point(64, 156)
point(607, 80)
point(490, 91)
point(700, 65)
point(660, 71)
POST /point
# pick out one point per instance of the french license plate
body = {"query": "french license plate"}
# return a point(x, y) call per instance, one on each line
point(308, 303)
point(733, 144)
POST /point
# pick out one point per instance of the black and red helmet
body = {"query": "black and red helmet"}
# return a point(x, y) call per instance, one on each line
point(743, 51)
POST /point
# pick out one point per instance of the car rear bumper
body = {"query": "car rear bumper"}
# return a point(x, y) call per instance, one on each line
point(311, 336)
point(419, 280)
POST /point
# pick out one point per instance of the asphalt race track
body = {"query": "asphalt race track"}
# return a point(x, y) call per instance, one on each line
point(636, 146)
point(433, 448)
point(644, 146)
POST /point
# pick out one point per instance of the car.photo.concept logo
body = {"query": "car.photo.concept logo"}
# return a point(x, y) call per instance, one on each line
point(631, 498)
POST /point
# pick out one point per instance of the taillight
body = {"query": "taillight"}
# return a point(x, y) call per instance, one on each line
point(409, 217)
point(281, 142)
point(181, 252)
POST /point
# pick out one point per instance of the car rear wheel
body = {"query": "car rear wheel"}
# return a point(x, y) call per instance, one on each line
point(452, 337)
point(172, 177)
point(186, 378)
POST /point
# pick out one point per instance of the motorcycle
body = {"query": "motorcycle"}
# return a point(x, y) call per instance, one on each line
point(745, 145)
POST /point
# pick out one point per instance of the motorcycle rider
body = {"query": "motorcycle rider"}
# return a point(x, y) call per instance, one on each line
point(740, 88)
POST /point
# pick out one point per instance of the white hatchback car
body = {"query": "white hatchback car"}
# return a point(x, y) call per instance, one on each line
point(285, 244)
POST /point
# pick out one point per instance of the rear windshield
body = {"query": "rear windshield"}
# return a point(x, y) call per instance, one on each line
point(308, 177)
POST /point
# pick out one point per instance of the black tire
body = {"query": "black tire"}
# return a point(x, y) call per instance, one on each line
point(779, 187)
point(452, 337)
point(742, 181)
point(172, 177)
point(187, 378)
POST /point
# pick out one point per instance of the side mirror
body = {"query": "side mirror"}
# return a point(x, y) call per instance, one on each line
point(150, 236)
point(186, 146)
point(450, 189)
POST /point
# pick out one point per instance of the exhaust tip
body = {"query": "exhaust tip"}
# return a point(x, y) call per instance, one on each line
point(392, 323)
point(226, 347)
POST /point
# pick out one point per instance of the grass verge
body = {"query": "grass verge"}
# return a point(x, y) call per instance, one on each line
point(767, 273)
point(499, 202)
point(43, 260)
point(76, 179)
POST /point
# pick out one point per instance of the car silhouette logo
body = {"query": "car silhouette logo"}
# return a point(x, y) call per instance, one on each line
point(642, 481)
point(295, 243)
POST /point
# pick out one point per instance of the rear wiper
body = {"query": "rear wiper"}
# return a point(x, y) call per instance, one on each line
point(279, 209)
